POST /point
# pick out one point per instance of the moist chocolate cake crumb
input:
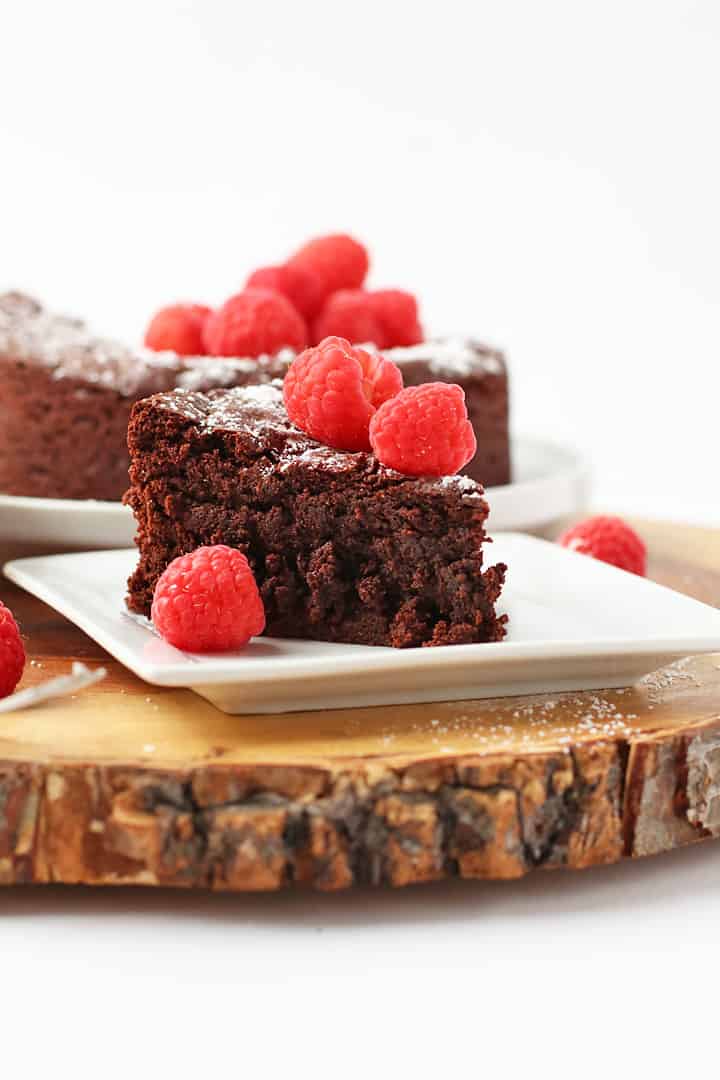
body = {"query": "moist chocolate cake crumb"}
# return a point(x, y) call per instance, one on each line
point(343, 548)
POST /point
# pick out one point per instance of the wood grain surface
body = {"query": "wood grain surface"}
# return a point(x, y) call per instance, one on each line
point(134, 784)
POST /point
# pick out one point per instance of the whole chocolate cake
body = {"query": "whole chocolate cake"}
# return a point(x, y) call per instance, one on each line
point(343, 549)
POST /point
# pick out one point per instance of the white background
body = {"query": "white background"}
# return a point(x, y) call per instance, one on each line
point(545, 175)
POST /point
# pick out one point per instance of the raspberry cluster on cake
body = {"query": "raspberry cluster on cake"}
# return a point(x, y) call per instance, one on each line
point(343, 548)
point(66, 397)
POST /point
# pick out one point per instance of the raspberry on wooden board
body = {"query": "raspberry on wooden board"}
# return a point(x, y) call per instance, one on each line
point(609, 539)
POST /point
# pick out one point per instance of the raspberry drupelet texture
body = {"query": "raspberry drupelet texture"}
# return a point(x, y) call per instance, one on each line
point(12, 652)
point(178, 328)
point(300, 284)
point(609, 539)
point(332, 391)
point(254, 323)
point(397, 314)
point(339, 261)
point(208, 601)
point(424, 431)
point(349, 314)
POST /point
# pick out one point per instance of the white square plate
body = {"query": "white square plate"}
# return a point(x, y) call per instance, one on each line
point(575, 624)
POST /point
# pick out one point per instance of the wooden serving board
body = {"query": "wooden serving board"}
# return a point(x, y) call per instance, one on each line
point(134, 784)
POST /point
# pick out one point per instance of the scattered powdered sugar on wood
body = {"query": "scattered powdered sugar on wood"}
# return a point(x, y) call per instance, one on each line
point(524, 724)
point(657, 683)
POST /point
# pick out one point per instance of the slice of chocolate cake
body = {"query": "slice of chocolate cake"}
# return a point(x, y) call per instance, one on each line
point(66, 396)
point(343, 549)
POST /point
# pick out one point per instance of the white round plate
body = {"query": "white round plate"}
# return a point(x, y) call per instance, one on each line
point(550, 481)
point(63, 524)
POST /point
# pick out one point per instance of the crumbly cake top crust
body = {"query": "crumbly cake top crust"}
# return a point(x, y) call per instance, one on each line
point(30, 333)
point(258, 414)
point(461, 357)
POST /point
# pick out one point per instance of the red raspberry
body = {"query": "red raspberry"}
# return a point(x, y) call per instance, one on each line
point(609, 539)
point(333, 390)
point(178, 328)
point(208, 601)
point(339, 261)
point(397, 313)
point(300, 284)
point(12, 653)
point(348, 314)
point(252, 323)
point(424, 431)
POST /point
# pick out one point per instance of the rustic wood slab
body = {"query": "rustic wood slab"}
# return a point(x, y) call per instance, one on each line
point(134, 784)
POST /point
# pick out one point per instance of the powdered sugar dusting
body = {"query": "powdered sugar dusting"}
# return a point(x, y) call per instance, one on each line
point(460, 483)
point(203, 372)
point(459, 357)
point(560, 722)
point(258, 412)
point(30, 334)
point(263, 397)
point(255, 410)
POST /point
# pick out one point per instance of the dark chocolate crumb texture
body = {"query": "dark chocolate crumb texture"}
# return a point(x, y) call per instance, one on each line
point(66, 397)
point(343, 549)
